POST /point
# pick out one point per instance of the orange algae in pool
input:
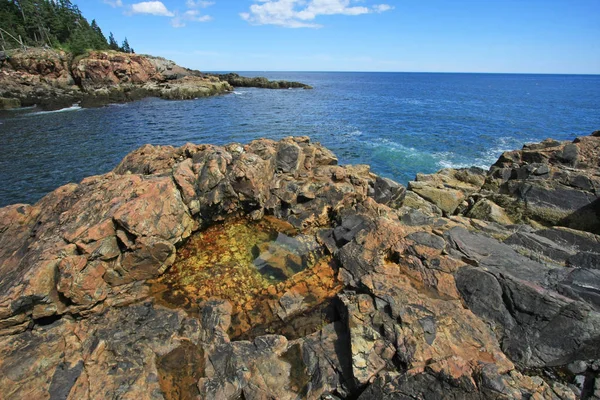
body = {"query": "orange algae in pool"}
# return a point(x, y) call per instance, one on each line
point(235, 261)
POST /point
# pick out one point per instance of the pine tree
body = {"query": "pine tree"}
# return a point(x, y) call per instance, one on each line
point(57, 23)
point(112, 42)
point(79, 42)
point(100, 42)
point(125, 47)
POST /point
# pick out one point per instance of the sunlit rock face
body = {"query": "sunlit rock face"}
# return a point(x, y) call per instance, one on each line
point(267, 271)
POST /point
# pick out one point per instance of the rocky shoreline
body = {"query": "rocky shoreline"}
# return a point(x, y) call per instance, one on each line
point(54, 79)
point(236, 80)
point(467, 284)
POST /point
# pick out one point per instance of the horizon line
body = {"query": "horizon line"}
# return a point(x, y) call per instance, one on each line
point(407, 72)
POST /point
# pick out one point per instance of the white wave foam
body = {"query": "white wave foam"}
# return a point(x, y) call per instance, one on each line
point(396, 147)
point(413, 102)
point(457, 165)
point(354, 133)
point(485, 159)
point(74, 107)
point(239, 93)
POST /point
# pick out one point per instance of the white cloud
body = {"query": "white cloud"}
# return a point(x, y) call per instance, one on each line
point(114, 3)
point(151, 7)
point(179, 21)
point(198, 3)
point(194, 15)
point(382, 8)
point(301, 13)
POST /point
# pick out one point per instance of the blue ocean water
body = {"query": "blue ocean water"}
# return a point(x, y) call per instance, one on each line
point(399, 123)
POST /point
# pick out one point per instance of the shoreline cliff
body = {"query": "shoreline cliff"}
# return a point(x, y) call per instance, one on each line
point(54, 79)
point(466, 284)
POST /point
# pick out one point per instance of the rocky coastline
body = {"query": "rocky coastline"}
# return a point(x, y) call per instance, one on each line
point(54, 79)
point(236, 80)
point(268, 271)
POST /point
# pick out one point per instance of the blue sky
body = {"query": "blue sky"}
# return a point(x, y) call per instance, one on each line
point(529, 36)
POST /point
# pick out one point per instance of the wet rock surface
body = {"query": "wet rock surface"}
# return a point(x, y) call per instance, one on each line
point(267, 271)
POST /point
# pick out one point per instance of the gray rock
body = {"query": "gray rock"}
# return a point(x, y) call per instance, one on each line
point(531, 294)
point(350, 226)
point(416, 218)
point(584, 259)
point(574, 240)
point(537, 244)
point(482, 292)
point(577, 367)
point(388, 192)
point(427, 239)
point(288, 157)
point(542, 170)
point(569, 154)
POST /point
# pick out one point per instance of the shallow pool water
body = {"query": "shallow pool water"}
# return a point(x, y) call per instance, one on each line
point(235, 261)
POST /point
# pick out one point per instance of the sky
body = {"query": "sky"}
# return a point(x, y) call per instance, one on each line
point(504, 36)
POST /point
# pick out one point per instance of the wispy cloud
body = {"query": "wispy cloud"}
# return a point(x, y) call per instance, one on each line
point(179, 21)
point(302, 13)
point(382, 8)
point(114, 3)
point(198, 3)
point(152, 8)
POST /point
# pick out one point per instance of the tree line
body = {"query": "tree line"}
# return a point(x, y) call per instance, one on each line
point(53, 23)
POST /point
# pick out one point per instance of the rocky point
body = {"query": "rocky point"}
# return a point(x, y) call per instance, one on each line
point(268, 271)
point(55, 79)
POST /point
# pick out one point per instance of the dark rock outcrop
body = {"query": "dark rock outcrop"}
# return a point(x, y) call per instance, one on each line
point(405, 304)
point(236, 80)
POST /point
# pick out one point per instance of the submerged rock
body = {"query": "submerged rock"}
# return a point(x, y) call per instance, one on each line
point(268, 271)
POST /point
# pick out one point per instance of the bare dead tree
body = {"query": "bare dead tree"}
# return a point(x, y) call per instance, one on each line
point(19, 40)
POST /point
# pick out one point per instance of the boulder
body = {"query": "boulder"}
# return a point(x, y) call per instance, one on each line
point(8, 103)
point(489, 211)
point(446, 199)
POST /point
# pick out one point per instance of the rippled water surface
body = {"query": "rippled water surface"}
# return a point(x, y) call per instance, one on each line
point(399, 123)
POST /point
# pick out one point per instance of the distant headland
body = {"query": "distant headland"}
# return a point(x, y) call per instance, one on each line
point(54, 79)
point(52, 57)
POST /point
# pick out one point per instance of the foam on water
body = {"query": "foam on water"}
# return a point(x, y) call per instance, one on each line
point(74, 107)
point(484, 159)
point(354, 133)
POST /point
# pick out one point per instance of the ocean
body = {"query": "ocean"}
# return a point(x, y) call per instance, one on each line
point(399, 123)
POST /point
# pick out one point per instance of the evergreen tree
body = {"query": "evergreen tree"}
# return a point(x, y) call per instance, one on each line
point(100, 42)
point(79, 42)
point(125, 47)
point(112, 42)
point(57, 23)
